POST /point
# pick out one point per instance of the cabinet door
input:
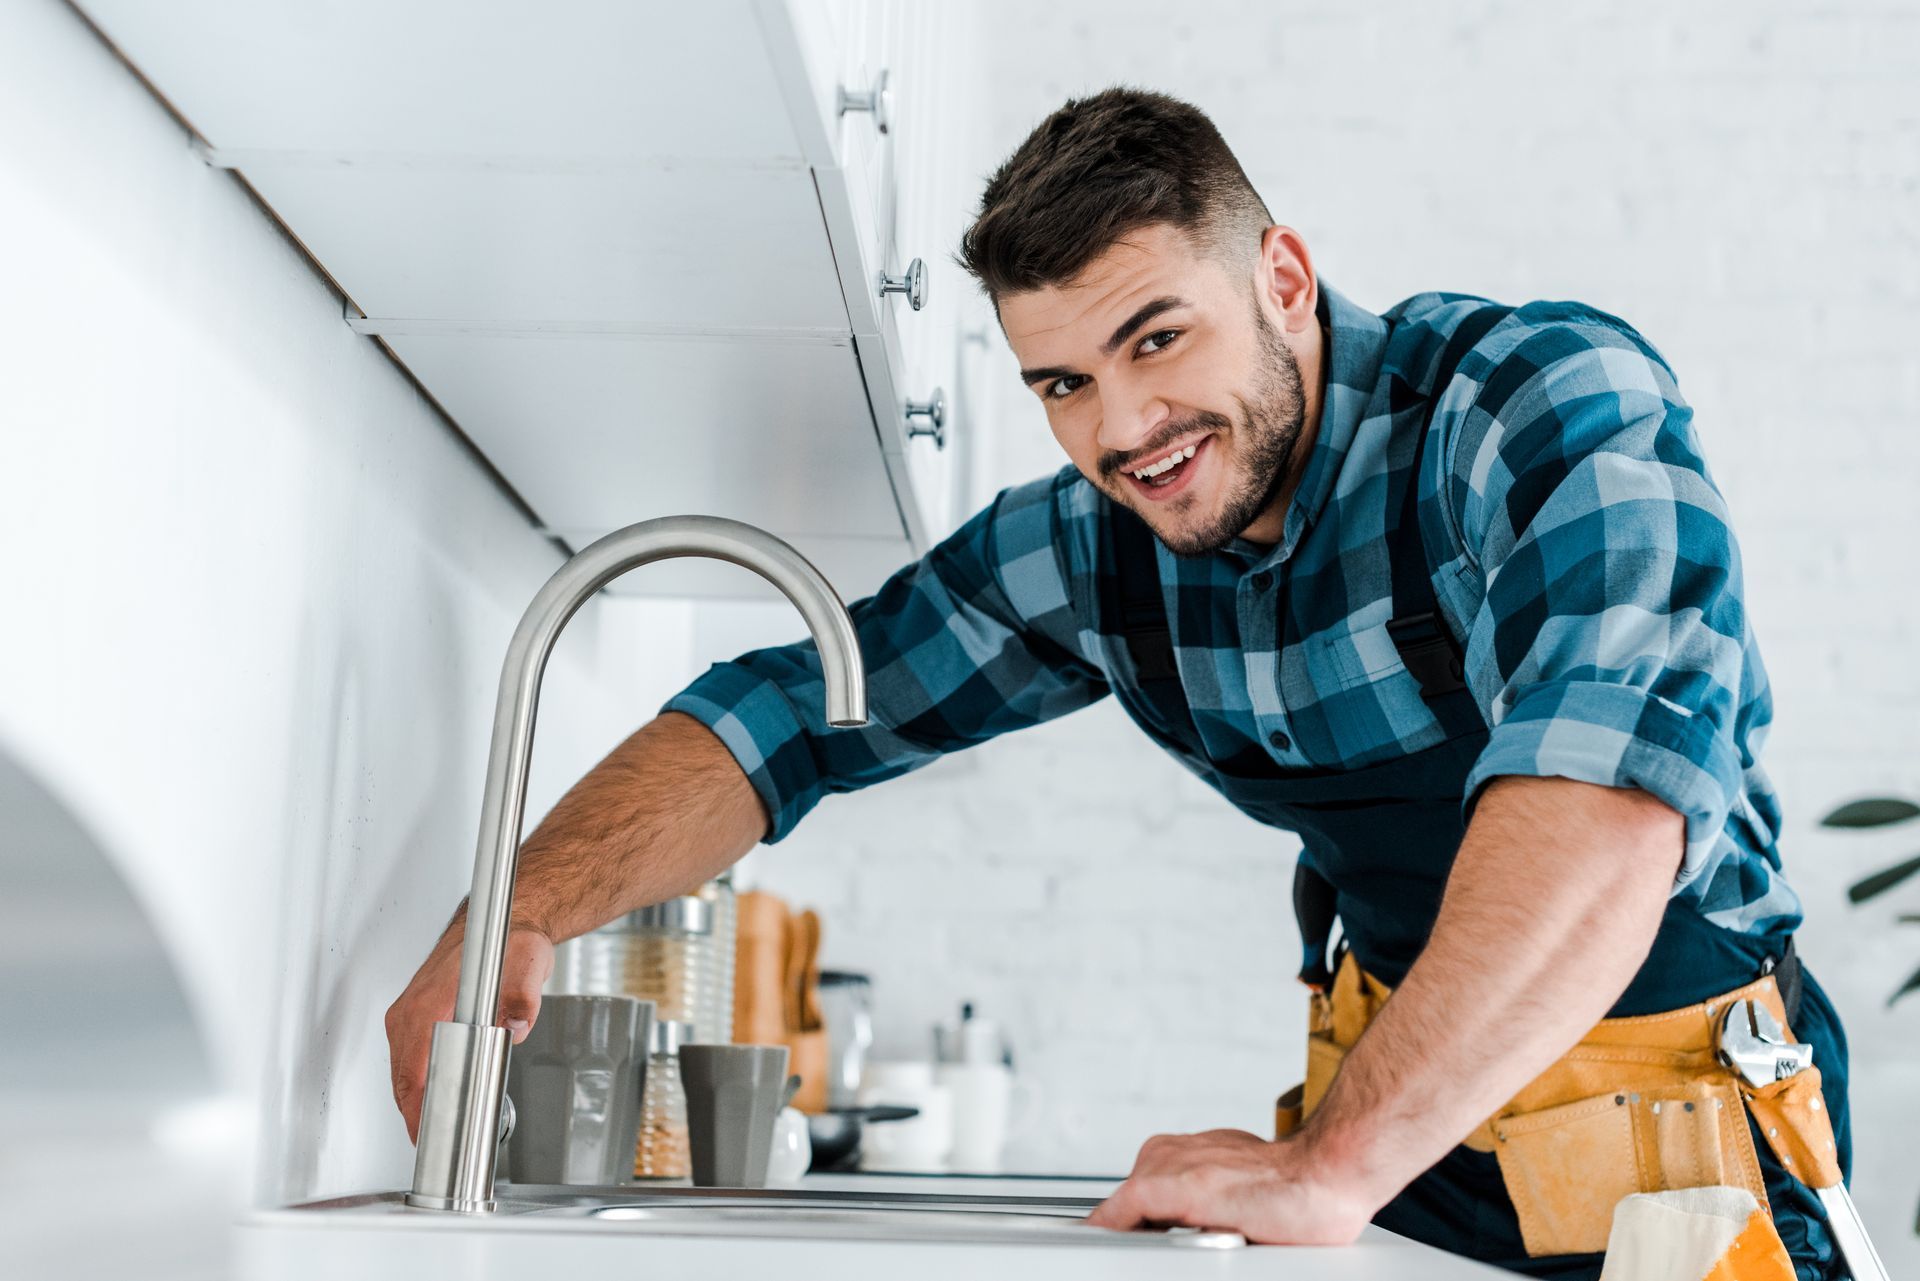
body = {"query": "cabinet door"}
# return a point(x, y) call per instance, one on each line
point(582, 81)
point(812, 42)
point(931, 192)
point(714, 250)
point(598, 432)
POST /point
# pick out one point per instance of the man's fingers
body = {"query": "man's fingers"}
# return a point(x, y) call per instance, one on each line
point(1139, 1204)
point(429, 1000)
point(406, 1096)
point(519, 1007)
point(1118, 1212)
point(529, 962)
point(409, 1040)
point(1152, 1201)
point(408, 1075)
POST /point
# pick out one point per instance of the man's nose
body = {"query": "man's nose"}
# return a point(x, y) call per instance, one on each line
point(1129, 420)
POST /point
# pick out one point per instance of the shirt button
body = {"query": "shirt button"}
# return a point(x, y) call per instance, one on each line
point(1280, 741)
point(1262, 581)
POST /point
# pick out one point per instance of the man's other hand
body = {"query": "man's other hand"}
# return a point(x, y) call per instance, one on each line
point(1230, 1180)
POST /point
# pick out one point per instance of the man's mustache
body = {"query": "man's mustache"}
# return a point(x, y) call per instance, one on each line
point(1111, 463)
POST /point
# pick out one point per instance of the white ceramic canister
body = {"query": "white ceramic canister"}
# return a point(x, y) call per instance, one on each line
point(920, 1143)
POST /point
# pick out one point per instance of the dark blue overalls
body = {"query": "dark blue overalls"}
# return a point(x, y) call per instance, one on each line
point(1378, 843)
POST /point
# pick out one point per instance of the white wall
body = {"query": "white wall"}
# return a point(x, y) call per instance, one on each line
point(256, 594)
point(1740, 181)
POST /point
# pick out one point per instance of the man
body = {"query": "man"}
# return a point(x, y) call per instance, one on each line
point(1447, 591)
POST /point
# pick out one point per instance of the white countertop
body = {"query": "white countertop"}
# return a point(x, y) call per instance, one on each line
point(382, 1242)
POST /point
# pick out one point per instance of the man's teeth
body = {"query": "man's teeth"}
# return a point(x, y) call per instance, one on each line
point(1171, 461)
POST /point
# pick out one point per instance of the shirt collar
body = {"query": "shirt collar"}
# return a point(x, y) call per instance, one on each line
point(1356, 340)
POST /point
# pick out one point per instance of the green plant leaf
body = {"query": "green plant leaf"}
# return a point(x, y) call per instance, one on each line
point(1911, 985)
point(1882, 881)
point(1873, 811)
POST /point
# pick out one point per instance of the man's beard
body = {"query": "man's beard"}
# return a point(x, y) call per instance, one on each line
point(1264, 439)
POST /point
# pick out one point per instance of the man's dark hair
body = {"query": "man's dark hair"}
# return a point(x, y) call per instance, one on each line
point(1098, 169)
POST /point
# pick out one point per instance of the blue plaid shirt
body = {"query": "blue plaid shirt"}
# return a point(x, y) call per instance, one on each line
point(1590, 571)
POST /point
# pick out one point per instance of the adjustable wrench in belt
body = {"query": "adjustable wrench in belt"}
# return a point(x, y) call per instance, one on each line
point(1753, 1043)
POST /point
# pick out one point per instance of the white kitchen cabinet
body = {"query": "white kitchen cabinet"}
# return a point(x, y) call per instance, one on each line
point(590, 81)
point(772, 433)
point(635, 251)
point(739, 250)
point(905, 196)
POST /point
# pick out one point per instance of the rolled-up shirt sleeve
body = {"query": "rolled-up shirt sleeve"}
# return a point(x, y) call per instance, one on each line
point(976, 638)
point(1612, 638)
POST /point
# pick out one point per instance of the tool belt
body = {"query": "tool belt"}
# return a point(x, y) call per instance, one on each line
point(1641, 1104)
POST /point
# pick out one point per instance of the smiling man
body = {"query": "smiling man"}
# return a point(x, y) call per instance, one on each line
point(1447, 591)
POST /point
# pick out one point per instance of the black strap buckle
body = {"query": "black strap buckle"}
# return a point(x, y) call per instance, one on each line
point(1786, 977)
point(1429, 653)
point(1152, 650)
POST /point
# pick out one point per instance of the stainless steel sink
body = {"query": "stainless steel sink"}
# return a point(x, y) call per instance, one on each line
point(805, 1214)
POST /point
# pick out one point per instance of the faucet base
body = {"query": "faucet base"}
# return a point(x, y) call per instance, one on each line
point(460, 1118)
point(452, 1205)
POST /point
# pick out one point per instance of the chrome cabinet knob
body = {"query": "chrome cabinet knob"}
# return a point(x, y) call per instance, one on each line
point(876, 100)
point(934, 410)
point(912, 282)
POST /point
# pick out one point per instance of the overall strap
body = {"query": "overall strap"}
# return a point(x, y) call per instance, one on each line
point(1137, 612)
point(1428, 648)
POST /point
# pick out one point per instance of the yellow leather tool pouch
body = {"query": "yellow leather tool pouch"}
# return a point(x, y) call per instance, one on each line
point(1793, 1116)
point(1288, 1112)
point(1292, 1109)
point(1566, 1167)
point(1324, 1056)
point(1641, 1104)
point(1335, 1020)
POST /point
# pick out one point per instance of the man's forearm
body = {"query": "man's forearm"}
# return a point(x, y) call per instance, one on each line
point(1551, 907)
point(666, 810)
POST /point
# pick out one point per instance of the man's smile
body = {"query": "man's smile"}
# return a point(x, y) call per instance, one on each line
point(1166, 474)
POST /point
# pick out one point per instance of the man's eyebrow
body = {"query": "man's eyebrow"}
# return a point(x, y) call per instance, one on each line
point(1139, 318)
point(1044, 373)
point(1159, 306)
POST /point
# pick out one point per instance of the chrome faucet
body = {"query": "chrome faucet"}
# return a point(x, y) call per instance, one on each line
point(467, 1070)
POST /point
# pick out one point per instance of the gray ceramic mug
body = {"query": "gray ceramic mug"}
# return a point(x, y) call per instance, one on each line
point(733, 1096)
point(575, 1084)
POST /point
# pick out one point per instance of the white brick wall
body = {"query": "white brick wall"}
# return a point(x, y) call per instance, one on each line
point(1740, 181)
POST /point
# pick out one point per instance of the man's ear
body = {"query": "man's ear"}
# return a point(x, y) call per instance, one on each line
point(1286, 284)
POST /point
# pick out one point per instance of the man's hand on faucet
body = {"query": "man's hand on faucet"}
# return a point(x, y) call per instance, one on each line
point(666, 810)
point(429, 1000)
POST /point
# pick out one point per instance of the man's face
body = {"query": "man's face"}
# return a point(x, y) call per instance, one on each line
point(1167, 385)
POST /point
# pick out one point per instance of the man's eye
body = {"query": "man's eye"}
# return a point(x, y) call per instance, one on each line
point(1161, 341)
point(1061, 388)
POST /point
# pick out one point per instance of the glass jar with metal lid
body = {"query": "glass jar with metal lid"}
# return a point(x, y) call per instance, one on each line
point(677, 954)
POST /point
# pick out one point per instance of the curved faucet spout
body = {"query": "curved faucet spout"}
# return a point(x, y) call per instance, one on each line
point(466, 1074)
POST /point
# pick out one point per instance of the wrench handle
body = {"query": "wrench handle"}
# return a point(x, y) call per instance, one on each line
point(1851, 1234)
